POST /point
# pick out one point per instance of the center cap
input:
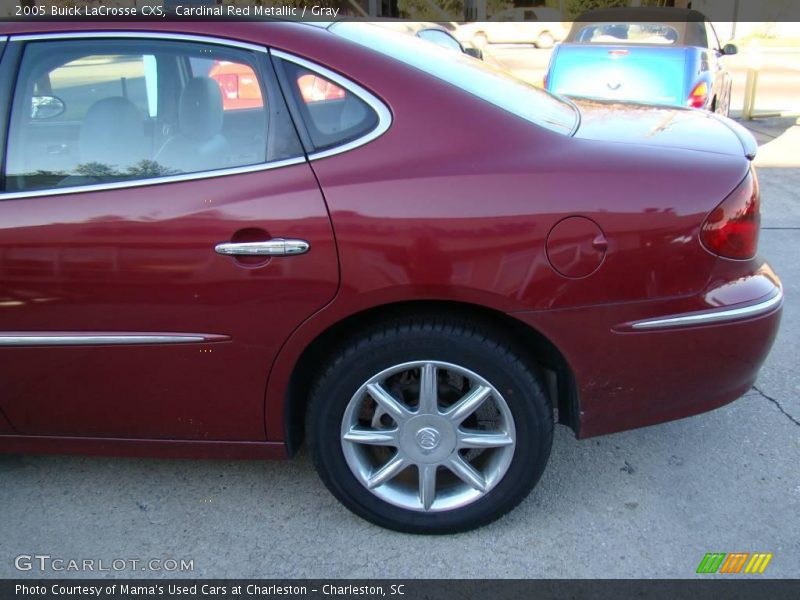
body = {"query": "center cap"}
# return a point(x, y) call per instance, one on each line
point(428, 439)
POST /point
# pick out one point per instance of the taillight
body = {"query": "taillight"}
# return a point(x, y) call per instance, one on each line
point(544, 82)
point(699, 95)
point(731, 230)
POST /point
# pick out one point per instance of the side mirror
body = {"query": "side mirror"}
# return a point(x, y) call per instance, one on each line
point(474, 52)
point(730, 49)
point(46, 107)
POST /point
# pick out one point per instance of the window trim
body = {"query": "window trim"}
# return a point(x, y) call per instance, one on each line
point(179, 37)
point(382, 111)
point(9, 64)
point(117, 185)
point(98, 187)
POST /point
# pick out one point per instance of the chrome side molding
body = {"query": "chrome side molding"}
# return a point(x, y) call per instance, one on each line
point(712, 316)
point(276, 247)
point(104, 339)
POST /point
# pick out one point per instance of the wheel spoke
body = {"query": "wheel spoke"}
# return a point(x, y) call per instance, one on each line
point(388, 402)
point(388, 471)
point(377, 416)
point(468, 404)
point(427, 485)
point(371, 437)
point(483, 439)
point(467, 473)
point(428, 393)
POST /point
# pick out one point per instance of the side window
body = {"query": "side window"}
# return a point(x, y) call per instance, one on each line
point(98, 111)
point(333, 115)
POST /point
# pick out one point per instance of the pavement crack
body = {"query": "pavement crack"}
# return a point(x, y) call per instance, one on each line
point(778, 404)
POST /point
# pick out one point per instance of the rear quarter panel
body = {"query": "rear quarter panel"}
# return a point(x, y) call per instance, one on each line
point(456, 200)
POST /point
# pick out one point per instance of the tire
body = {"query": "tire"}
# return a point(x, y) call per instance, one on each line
point(545, 40)
point(397, 359)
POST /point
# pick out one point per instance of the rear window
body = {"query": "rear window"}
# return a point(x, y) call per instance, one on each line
point(628, 33)
point(474, 76)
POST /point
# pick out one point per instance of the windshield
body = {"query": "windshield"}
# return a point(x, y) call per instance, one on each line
point(474, 76)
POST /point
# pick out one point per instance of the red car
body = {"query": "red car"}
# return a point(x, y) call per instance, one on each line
point(421, 268)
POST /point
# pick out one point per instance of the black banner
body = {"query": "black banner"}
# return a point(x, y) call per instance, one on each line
point(770, 11)
point(734, 588)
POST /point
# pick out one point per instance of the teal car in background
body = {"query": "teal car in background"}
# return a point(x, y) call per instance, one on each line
point(662, 56)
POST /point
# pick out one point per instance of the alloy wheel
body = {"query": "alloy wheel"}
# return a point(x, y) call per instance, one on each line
point(428, 436)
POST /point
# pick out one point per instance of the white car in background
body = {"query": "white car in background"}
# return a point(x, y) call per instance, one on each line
point(541, 27)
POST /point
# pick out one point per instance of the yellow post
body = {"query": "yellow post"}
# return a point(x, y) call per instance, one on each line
point(750, 94)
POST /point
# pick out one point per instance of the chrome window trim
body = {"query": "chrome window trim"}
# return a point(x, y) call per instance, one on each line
point(383, 112)
point(180, 37)
point(117, 185)
point(115, 339)
point(712, 316)
point(152, 180)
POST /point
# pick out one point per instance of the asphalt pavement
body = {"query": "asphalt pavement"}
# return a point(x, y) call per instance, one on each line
point(645, 503)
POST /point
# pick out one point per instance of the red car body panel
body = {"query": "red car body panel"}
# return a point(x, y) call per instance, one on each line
point(5, 426)
point(463, 218)
point(143, 260)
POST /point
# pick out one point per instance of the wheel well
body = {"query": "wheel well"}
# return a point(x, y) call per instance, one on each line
point(532, 346)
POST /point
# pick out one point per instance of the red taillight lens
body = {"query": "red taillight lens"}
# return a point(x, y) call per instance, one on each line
point(699, 95)
point(731, 230)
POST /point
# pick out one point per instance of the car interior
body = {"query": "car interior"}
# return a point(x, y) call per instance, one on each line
point(132, 115)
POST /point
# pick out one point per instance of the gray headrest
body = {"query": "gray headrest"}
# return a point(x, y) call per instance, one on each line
point(200, 114)
point(112, 133)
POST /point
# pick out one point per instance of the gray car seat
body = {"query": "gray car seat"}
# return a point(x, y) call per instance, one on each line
point(199, 144)
point(111, 138)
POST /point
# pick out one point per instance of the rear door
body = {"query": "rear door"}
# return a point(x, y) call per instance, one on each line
point(160, 237)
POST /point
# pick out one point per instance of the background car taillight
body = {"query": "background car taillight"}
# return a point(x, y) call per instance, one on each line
point(731, 230)
point(699, 95)
point(229, 84)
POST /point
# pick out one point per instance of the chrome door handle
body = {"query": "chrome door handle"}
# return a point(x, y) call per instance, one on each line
point(276, 247)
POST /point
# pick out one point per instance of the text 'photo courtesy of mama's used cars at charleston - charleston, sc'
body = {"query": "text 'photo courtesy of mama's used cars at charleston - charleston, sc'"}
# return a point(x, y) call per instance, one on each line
point(228, 239)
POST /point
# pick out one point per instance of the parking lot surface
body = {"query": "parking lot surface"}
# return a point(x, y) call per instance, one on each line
point(646, 503)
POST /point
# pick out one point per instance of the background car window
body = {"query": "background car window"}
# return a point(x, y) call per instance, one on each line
point(440, 38)
point(97, 111)
point(333, 115)
point(628, 33)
